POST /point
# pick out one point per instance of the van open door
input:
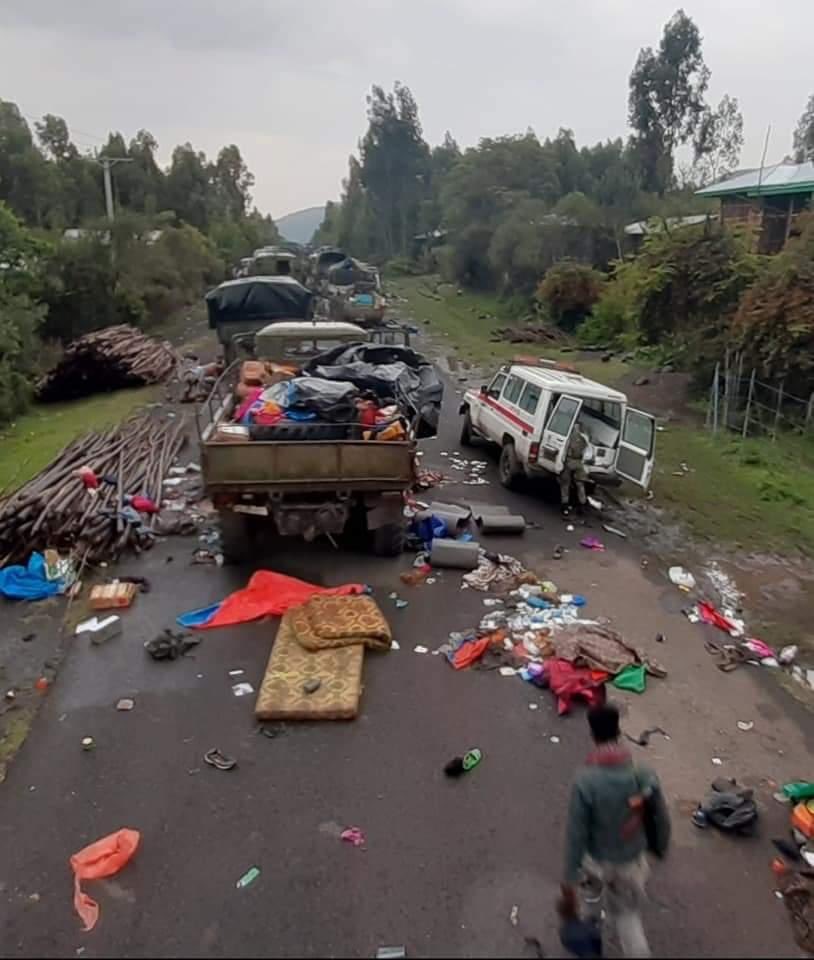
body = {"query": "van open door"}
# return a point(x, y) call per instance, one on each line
point(557, 432)
point(637, 447)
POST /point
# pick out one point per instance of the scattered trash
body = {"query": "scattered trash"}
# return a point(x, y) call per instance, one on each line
point(242, 689)
point(112, 596)
point(660, 638)
point(170, 645)
point(534, 706)
point(681, 578)
point(591, 543)
point(788, 654)
point(100, 629)
point(353, 835)
point(507, 671)
point(457, 766)
point(420, 649)
point(631, 678)
point(614, 530)
point(554, 740)
point(236, 673)
point(401, 604)
point(643, 740)
point(311, 686)
point(125, 704)
point(727, 806)
point(557, 553)
point(596, 504)
point(248, 878)
point(219, 760)
point(28, 638)
point(717, 762)
point(745, 725)
point(390, 953)
point(514, 916)
point(42, 684)
point(88, 743)
point(102, 859)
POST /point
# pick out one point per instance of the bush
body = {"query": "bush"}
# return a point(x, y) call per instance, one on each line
point(613, 318)
point(402, 267)
point(570, 290)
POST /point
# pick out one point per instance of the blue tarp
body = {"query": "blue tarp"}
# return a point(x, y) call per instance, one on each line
point(28, 583)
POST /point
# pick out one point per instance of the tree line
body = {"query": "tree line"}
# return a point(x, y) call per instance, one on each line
point(501, 213)
point(176, 230)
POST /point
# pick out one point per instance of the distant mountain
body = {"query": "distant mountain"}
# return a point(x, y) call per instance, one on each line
point(299, 226)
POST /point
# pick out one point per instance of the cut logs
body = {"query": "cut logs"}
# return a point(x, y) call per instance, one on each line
point(55, 509)
point(108, 359)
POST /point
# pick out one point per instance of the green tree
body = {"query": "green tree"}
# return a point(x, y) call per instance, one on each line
point(188, 186)
point(569, 290)
point(231, 181)
point(718, 141)
point(666, 102)
point(804, 134)
point(394, 167)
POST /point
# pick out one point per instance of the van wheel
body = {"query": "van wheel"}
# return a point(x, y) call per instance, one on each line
point(234, 536)
point(467, 435)
point(509, 467)
point(388, 540)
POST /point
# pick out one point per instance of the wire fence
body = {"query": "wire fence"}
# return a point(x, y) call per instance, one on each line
point(741, 403)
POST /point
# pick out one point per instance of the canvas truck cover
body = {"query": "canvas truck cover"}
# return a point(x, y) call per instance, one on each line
point(350, 271)
point(396, 372)
point(258, 299)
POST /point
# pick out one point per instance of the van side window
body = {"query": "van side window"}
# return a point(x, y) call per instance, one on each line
point(512, 390)
point(496, 385)
point(529, 398)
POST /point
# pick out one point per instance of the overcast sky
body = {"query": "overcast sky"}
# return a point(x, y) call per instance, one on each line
point(286, 80)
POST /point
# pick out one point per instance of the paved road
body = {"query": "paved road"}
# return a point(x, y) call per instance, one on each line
point(445, 861)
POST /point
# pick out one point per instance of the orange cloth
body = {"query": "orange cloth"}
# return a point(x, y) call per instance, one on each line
point(99, 860)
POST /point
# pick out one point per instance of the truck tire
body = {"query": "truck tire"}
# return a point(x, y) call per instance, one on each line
point(467, 436)
point(388, 540)
point(509, 467)
point(234, 536)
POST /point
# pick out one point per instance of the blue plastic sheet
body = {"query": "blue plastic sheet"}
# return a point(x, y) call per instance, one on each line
point(29, 582)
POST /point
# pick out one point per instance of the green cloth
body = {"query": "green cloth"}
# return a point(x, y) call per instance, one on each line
point(799, 790)
point(599, 815)
point(631, 678)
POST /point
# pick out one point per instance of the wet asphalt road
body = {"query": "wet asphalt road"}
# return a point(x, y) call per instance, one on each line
point(445, 861)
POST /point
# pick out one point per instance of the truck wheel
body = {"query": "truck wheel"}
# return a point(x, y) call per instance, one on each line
point(388, 540)
point(509, 467)
point(234, 536)
point(467, 436)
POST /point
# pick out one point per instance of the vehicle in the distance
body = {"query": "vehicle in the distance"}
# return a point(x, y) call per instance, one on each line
point(530, 410)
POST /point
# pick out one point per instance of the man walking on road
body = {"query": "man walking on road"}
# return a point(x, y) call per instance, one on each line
point(617, 812)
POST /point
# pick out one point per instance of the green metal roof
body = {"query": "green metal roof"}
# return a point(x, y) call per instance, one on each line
point(776, 179)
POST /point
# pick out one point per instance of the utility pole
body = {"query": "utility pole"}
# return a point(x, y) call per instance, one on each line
point(107, 163)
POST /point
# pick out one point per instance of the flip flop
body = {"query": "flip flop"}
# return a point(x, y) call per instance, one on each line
point(219, 760)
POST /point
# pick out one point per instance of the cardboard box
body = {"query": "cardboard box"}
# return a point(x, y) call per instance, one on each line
point(112, 596)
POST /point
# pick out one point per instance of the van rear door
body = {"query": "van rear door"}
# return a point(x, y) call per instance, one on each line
point(637, 448)
point(557, 433)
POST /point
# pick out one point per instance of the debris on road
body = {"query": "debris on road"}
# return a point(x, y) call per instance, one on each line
point(98, 861)
point(353, 836)
point(88, 743)
point(245, 689)
point(592, 543)
point(614, 530)
point(101, 629)
point(514, 916)
point(219, 760)
point(248, 878)
point(643, 740)
point(170, 645)
point(729, 807)
point(112, 596)
point(458, 766)
point(458, 554)
point(681, 578)
point(311, 686)
point(125, 704)
point(746, 725)
point(390, 953)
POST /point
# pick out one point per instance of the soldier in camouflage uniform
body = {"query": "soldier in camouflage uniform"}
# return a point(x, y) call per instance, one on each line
point(574, 470)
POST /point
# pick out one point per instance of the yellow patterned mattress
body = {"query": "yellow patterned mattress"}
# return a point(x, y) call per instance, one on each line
point(290, 666)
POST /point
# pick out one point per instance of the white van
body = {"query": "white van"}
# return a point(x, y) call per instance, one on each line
point(530, 412)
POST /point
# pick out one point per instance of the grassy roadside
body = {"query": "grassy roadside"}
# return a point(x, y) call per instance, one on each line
point(34, 439)
point(756, 496)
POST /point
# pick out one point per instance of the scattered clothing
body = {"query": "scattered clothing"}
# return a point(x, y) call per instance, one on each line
point(568, 682)
point(632, 678)
point(102, 859)
point(498, 571)
point(729, 807)
point(29, 582)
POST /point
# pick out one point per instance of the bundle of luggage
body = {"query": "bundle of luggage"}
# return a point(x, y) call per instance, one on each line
point(360, 392)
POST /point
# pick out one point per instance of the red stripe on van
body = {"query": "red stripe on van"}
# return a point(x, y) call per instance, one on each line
point(509, 415)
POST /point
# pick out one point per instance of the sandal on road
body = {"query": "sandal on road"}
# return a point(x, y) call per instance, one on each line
point(219, 760)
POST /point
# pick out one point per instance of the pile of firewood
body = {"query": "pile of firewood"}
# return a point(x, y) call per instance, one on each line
point(106, 360)
point(57, 509)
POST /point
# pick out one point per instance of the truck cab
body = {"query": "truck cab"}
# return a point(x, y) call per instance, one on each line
point(531, 411)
